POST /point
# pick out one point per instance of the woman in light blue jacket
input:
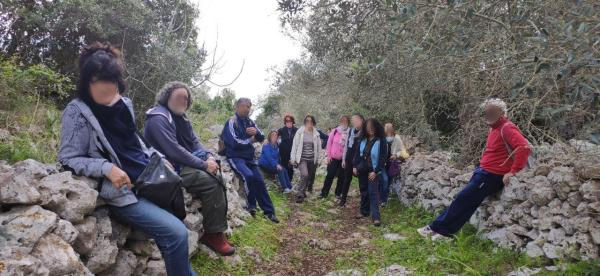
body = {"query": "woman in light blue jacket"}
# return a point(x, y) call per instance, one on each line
point(99, 139)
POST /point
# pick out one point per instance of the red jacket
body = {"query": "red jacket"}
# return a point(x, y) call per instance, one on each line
point(495, 157)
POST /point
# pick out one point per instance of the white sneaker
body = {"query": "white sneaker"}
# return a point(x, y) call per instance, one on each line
point(439, 237)
point(287, 191)
point(425, 232)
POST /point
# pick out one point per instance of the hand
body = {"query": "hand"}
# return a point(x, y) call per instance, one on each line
point(354, 171)
point(393, 157)
point(372, 176)
point(251, 131)
point(169, 165)
point(211, 166)
point(343, 164)
point(279, 168)
point(506, 178)
point(118, 177)
point(327, 161)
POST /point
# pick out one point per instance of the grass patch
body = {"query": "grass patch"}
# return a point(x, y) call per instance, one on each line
point(259, 233)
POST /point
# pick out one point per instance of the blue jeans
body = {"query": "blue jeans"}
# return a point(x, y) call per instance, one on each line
point(384, 186)
point(369, 196)
point(255, 184)
point(481, 185)
point(282, 176)
point(169, 233)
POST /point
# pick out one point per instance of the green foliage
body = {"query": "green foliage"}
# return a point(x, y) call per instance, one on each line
point(207, 112)
point(383, 58)
point(28, 112)
point(158, 38)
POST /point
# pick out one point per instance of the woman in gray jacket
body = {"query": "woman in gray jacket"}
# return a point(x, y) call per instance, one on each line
point(99, 140)
point(306, 149)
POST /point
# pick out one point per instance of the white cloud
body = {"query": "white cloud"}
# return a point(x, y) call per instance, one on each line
point(247, 31)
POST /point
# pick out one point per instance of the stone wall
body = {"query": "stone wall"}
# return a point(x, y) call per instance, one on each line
point(550, 210)
point(53, 223)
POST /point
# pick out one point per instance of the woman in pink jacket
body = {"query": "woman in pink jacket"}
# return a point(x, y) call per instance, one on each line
point(335, 151)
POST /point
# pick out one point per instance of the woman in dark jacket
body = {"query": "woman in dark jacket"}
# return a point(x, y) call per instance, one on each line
point(368, 165)
point(286, 137)
point(99, 139)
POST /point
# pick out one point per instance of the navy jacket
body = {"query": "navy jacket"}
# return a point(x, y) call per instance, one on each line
point(238, 144)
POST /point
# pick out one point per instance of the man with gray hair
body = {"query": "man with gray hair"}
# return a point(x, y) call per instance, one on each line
point(168, 130)
point(505, 154)
point(239, 133)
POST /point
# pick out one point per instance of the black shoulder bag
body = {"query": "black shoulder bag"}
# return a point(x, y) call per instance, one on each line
point(161, 185)
point(364, 166)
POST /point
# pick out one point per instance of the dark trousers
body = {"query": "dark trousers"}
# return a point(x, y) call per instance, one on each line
point(369, 196)
point(285, 162)
point(334, 169)
point(211, 193)
point(255, 184)
point(481, 185)
point(346, 181)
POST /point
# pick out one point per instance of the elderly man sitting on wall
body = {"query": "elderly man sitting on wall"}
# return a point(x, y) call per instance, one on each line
point(168, 129)
point(506, 153)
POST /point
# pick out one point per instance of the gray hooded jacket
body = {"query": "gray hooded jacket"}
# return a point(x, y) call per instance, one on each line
point(82, 146)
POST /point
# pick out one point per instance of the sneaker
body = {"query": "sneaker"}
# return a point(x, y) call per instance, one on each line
point(272, 218)
point(218, 243)
point(440, 237)
point(342, 204)
point(287, 191)
point(360, 216)
point(299, 200)
point(425, 231)
point(377, 222)
point(252, 212)
point(383, 204)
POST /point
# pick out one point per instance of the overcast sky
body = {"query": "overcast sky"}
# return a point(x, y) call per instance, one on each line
point(247, 31)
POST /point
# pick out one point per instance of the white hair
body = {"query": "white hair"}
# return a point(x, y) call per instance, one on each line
point(497, 102)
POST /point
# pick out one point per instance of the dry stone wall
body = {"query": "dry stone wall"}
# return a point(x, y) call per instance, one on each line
point(53, 223)
point(551, 210)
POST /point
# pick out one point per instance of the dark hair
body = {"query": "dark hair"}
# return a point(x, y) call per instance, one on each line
point(314, 121)
point(288, 116)
point(99, 61)
point(362, 118)
point(165, 92)
point(379, 131)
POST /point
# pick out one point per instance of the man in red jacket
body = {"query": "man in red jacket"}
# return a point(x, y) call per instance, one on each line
point(505, 154)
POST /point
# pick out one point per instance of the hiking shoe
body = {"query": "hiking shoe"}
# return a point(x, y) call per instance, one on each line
point(342, 204)
point(377, 222)
point(252, 212)
point(287, 191)
point(272, 218)
point(425, 232)
point(218, 243)
point(383, 204)
point(360, 216)
point(439, 237)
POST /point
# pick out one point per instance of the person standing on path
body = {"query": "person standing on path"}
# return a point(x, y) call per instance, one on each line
point(369, 163)
point(286, 138)
point(338, 138)
point(239, 133)
point(396, 154)
point(348, 156)
point(505, 154)
point(305, 154)
point(269, 161)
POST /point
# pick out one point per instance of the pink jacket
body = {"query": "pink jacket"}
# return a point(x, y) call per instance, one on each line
point(335, 150)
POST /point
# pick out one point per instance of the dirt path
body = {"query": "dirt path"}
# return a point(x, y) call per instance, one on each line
point(315, 234)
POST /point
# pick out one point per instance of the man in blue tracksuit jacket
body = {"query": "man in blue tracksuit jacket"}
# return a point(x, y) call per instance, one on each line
point(239, 134)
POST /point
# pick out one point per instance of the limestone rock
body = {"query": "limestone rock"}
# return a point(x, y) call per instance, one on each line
point(591, 190)
point(393, 270)
point(58, 256)
point(155, 268)
point(71, 199)
point(86, 239)
point(14, 262)
point(125, 265)
point(24, 226)
point(15, 189)
point(66, 231)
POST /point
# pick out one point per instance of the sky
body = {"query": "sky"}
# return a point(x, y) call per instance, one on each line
point(246, 32)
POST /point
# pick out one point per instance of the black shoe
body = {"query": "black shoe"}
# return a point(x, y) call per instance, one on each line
point(252, 212)
point(360, 216)
point(322, 197)
point(342, 204)
point(272, 218)
point(299, 200)
point(377, 222)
